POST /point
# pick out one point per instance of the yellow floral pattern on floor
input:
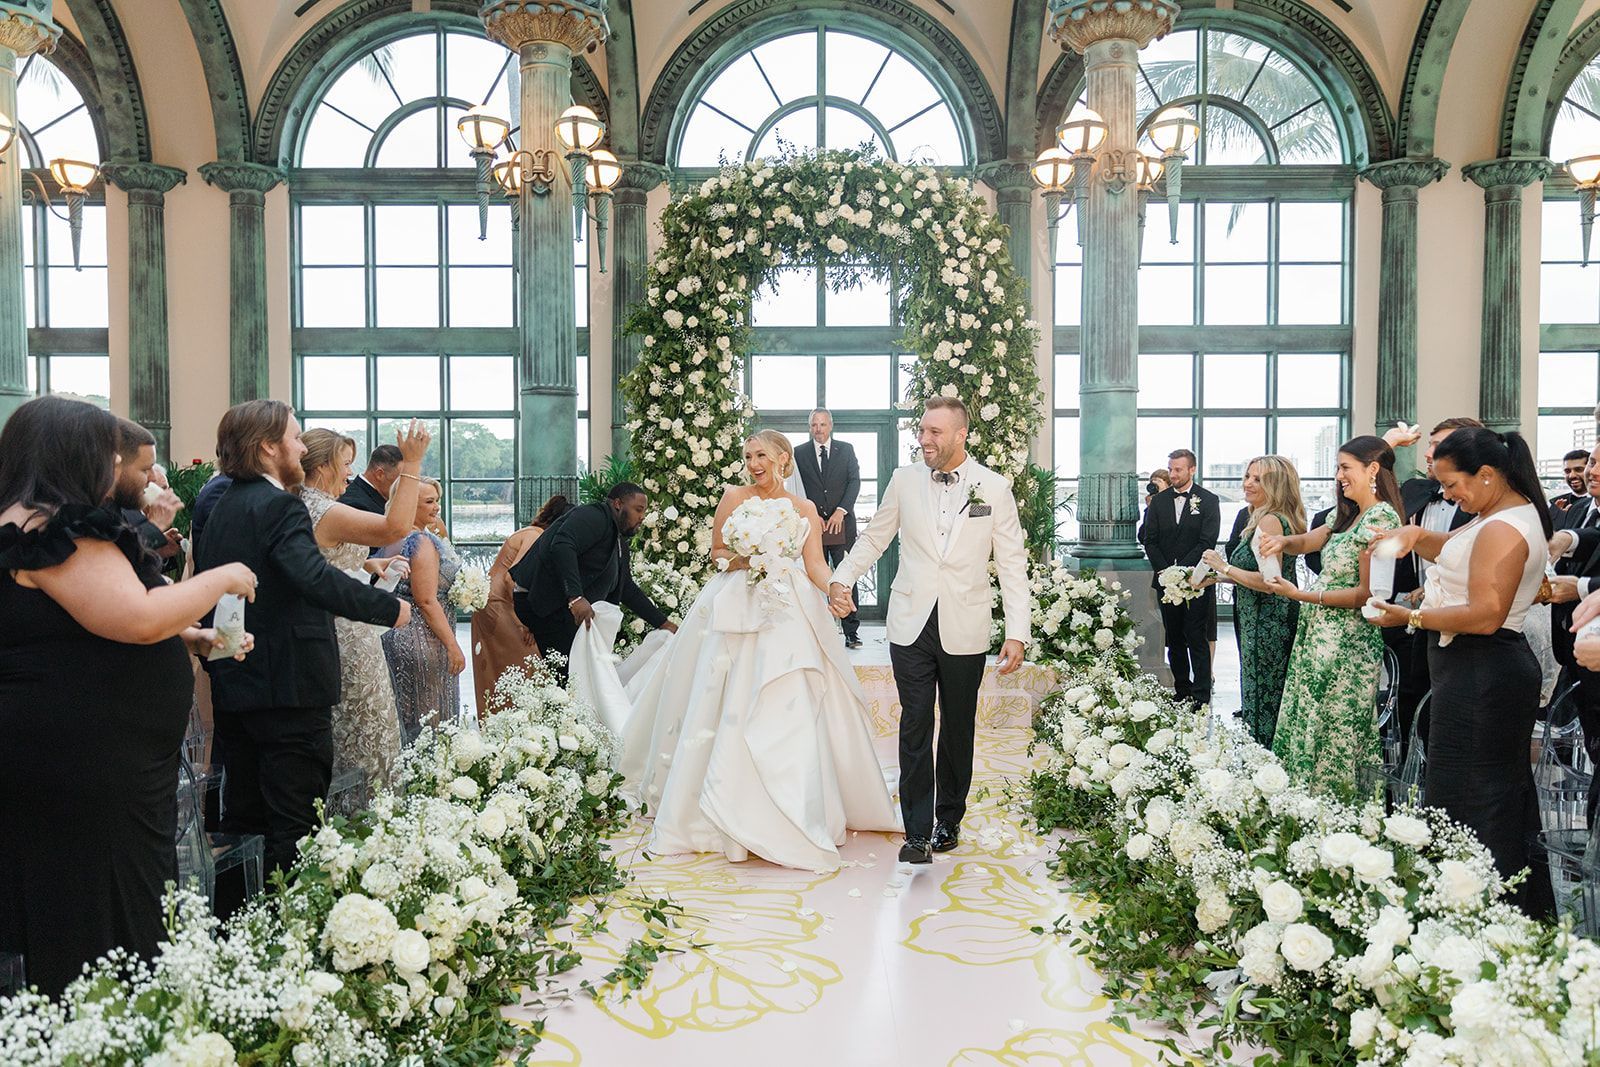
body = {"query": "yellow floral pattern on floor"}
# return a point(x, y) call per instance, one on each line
point(872, 965)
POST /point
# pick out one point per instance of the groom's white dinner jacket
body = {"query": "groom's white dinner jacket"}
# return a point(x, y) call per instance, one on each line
point(952, 573)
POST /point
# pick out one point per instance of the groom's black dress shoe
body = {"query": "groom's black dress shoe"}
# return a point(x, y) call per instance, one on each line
point(945, 837)
point(852, 641)
point(916, 850)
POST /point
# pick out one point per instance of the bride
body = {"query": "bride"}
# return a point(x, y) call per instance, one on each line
point(752, 734)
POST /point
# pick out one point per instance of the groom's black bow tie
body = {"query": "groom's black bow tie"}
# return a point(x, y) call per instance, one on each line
point(1182, 494)
point(944, 477)
point(1436, 496)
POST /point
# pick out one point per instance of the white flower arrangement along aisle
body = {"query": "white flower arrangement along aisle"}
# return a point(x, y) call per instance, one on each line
point(398, 935)
point(961, 302)
point(1242, 910)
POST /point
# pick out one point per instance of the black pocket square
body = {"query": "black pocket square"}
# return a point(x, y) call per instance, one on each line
point(978, 511)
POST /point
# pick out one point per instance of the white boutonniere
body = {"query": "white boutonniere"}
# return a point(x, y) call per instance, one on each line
point(977, 507)
point(1194, 503)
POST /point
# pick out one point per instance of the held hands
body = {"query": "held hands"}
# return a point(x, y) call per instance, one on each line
point(413, 441)
point(582, 612)
point(840, 601)
point(1010, 657)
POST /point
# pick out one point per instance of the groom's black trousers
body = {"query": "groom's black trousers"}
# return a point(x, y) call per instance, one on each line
point(923, 672)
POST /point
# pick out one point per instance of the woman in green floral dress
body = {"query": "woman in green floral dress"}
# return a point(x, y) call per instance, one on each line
point(1326, 723)
point(1265, 621)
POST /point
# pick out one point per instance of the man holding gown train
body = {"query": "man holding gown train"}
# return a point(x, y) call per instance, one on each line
point(951, 514)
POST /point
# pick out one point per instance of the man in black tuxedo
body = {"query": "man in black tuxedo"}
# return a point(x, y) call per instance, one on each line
point(581, 559)
point(1568, 509)
point(136, 466)
point(832, 480)
point(1577, 549)
point(1179, 525)
point(1427, 507)
point(369, 490)
point(273, 710)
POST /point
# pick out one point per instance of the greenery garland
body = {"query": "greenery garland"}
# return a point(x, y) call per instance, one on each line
point(963, 306)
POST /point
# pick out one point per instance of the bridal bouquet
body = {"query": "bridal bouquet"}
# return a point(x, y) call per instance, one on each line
point(470, 591)
point(767, 533)
point(1177, 585)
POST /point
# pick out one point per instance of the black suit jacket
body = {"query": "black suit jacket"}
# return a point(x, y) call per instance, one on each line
point(1573, 516)
point(583, 553)
point(295, 663)
point(204, 501)
point(363, 497)
point(1170, 540)
point(1583, 563)
point(1314, 559)
point(1416, 494)
point(1237, 533)
point(836, 487)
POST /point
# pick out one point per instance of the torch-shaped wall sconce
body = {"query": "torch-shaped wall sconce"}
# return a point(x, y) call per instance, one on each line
point(1585, 171)
point(1173, 131)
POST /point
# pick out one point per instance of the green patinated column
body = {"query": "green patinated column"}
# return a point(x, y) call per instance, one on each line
point(24, 30)
point(1500, 366)
point(1400, 179)
point(630, 266)
point(545, 34)
point(1015, 193)
point(247, 185)
point(149, 374)
point(1109, 36)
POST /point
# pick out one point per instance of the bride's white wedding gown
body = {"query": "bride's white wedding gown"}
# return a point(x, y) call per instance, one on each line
point(751, 735)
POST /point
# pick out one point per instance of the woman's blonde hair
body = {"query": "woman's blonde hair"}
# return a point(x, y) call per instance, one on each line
point(1280, 486)
point(777, 443)
point(322, 449)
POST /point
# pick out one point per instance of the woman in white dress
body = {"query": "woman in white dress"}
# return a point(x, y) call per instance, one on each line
point(752, 735)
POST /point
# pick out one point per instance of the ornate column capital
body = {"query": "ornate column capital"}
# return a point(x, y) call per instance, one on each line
point(26, 28)
point(1007, 175)
point(1516, 172)
point(1077, 24)
point(639, 176)
point(233, 176)
point(144, 177)
point(1405, 173)
point(578, 24)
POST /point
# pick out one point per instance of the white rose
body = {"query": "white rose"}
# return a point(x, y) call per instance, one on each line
point(1139, 846)
point(1305, 947)
point(1339, 850)
point(838, 245)
point(1392, 928)
point(1282, 902)
point(1407, 830)
point(1121, 754)
point(1213, 913)
point(410, 953)
point(1459, 883)
point(1270, 779)
point(1374, 864)
point(492, 823)
point(381, 880)
point(1159, 742)
point(464, 788)
point(1363, 1027)
point(1140, 710)
point(1158, 817)
point(469, 749)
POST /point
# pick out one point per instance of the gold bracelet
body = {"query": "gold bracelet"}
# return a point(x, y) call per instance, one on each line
point(403, 474)
point(1414, 621)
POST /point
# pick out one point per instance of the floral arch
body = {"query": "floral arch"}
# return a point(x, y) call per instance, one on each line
point(964, 309)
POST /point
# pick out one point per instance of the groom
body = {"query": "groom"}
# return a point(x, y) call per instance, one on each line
point(952, 515)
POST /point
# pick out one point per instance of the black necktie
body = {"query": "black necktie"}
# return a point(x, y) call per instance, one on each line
point(822, 458)
point(944, 477)
point(1592, 518)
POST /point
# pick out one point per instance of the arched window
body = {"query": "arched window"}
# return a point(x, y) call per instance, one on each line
point(1569, 292)
point(66, 307)
point(1244, 333)
point(817, 342)
point(400, 309)
point(822, 88)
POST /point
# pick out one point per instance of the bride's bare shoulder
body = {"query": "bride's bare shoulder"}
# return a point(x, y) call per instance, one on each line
point(805, 507)
point(734, 495)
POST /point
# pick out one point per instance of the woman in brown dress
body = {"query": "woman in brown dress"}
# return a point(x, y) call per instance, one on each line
point(499, 640)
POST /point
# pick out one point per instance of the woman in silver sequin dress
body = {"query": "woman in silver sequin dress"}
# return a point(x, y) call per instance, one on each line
point(424, 658)
point(366, 729)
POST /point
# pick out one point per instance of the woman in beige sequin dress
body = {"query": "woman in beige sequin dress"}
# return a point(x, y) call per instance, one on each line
point(366, 729)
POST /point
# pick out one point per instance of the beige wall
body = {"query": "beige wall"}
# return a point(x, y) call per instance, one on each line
point(1450, 226)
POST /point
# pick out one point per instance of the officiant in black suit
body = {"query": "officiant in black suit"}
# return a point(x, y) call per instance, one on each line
point(580, 560)
point(832, 479)
point(369, 490)
point(1179, 525)
point(274, 709)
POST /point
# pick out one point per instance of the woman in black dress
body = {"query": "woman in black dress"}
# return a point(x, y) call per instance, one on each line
point(95, 685)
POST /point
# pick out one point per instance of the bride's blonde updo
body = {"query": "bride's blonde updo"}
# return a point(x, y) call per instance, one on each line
point(779, 445)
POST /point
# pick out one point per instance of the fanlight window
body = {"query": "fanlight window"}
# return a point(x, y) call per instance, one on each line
point(821, 88)
point(397, 105)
